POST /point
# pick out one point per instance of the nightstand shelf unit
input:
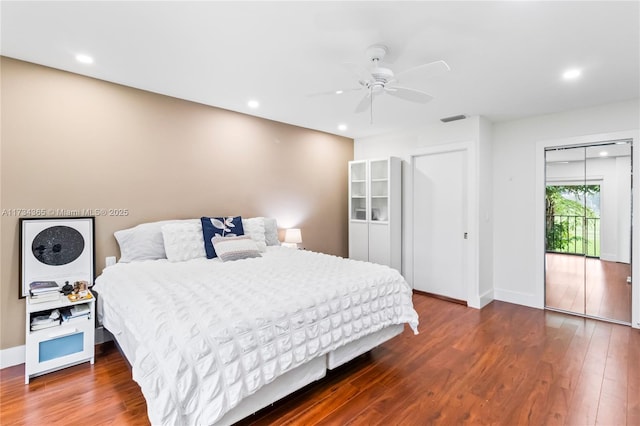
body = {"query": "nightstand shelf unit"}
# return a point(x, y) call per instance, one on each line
point(65, 344)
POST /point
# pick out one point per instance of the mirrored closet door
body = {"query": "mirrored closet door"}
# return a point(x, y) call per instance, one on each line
point(588, 230)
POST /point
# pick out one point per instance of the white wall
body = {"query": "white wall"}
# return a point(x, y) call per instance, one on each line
point(404, 144)
point(485, 204)
point(515, 175)
point(473, 131)
point(506, 213)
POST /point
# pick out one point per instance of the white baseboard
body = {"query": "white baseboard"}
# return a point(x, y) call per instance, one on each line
point(613, 257)
point(481, 301)
point(12, 356)
point(518, 298)
point(610, 257)
point(486, 298)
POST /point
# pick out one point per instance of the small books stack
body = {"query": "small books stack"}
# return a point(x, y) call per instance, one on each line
point(43, 291)
point(75, 312)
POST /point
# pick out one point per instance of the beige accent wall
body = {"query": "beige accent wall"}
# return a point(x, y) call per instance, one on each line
point(70, 142)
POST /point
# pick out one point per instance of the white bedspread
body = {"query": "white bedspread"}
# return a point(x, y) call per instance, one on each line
point(211, 333)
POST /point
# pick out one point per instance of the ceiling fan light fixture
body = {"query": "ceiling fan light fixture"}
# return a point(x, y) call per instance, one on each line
point(377, 80)
point(377, 89)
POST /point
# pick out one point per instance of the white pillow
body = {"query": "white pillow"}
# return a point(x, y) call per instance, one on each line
point(183, 241)
point(144, 241)
point(271, 231)
point(254, 228)
point(235, 248)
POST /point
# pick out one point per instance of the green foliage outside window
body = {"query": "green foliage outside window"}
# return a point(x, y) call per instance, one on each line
point(571, 226)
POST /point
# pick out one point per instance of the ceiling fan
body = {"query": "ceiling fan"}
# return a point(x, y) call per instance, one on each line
point(378, 80)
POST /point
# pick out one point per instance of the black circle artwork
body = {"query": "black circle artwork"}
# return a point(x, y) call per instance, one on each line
point(57, 245)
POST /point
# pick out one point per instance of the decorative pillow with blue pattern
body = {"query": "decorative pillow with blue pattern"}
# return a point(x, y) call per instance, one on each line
point(230, 226)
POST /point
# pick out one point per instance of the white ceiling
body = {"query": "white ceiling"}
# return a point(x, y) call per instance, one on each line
point(506, 58)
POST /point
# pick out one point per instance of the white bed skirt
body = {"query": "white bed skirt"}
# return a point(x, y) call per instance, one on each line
point(284, 385)
point(293, 380)
point(351, 350)
point(307, 373)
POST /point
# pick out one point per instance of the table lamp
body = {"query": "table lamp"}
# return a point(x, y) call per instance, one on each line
point(292, 237)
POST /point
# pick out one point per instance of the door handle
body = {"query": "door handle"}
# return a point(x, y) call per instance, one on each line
point(466, 235)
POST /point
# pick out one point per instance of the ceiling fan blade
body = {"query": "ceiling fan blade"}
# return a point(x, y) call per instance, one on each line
point(432, 68)
point(364, 103)
point(407, 94)
point(334, 92)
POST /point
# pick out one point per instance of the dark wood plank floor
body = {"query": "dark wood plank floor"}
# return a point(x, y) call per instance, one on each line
point(504, 365)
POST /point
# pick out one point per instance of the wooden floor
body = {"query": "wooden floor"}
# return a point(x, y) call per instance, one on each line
point(503, 365)
point(606, 293)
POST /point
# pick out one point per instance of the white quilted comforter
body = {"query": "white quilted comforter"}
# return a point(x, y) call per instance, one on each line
point(210, 333)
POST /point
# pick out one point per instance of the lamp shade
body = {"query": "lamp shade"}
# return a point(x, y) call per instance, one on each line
point(293, 235)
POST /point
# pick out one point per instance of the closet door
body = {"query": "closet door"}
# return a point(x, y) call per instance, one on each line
point(588, 230)
point(439, 221)
point(608, 231)
point(564, 222)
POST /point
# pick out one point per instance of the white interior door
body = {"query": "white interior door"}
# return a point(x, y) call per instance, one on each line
point(439, 223)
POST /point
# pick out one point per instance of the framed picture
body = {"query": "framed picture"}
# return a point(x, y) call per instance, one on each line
point(56, 249)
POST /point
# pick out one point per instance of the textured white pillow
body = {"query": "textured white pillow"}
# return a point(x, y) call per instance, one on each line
point(183, 241)
point(235, 248)
point(254, 228)
point(144, 241)
point(271, 231)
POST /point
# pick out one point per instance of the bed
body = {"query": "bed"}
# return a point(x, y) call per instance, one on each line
point(212, 341)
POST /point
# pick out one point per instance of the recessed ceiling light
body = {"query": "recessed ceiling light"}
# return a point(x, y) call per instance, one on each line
point(339, 92)
point(603, 153)
point(572, 74)
point(253, 104)
point(342, 127)
point(84, 59)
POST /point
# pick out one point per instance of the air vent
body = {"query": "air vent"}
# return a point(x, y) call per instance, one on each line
point(453, 118)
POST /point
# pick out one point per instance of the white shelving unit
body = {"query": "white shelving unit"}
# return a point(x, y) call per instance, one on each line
point(375, 211)
point(63, 345)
